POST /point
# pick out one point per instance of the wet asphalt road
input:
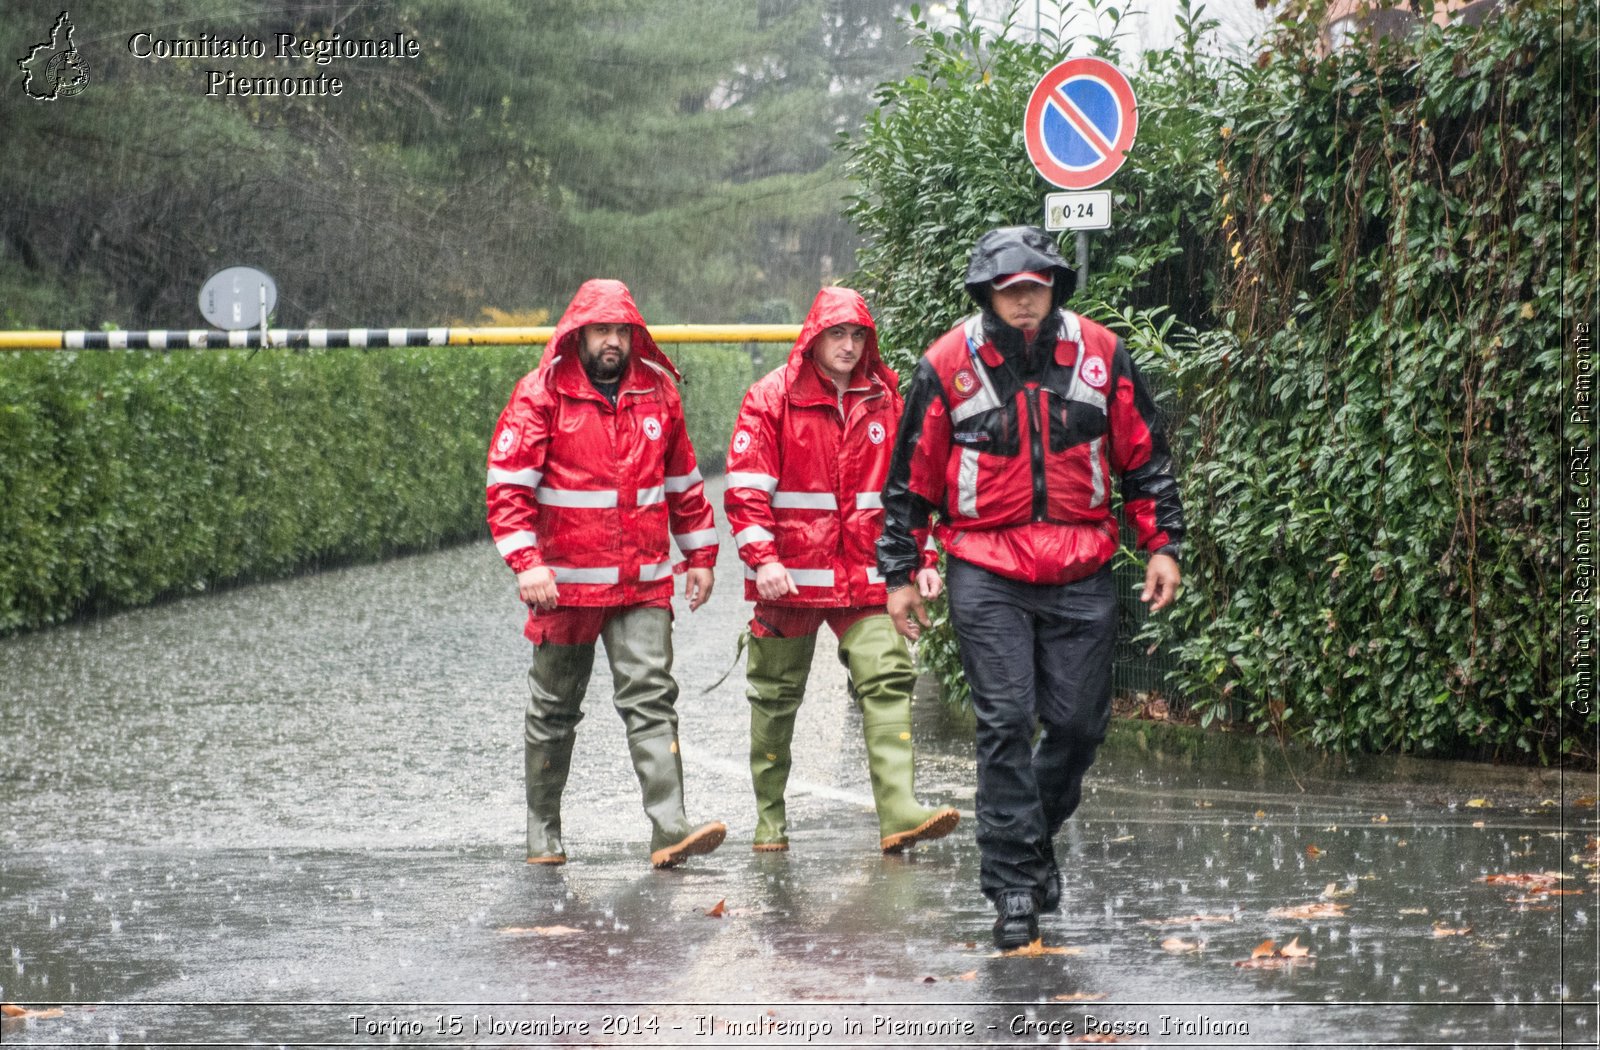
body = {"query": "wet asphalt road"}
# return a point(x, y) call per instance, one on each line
point(291, 814)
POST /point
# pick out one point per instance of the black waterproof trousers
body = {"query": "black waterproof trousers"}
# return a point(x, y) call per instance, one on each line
point(1033, 654)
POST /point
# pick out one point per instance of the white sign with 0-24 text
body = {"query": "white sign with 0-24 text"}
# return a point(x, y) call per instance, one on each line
point(1089, 210)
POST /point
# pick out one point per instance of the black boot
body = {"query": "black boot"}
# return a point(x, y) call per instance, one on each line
point(1018, 924)
point(1050, 901)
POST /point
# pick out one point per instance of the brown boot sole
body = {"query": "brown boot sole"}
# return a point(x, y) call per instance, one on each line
point(700, 840)
point(937, 826)
point(553, 858)
point(771, 847)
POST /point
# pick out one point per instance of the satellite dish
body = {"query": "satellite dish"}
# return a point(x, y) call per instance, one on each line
point(238, 297)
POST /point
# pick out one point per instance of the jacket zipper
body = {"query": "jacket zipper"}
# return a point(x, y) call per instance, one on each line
point(1036, 453)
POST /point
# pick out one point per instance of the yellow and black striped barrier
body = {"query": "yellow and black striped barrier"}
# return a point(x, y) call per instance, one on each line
point(302, 338)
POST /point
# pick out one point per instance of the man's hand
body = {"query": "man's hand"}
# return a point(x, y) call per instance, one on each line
point(1161, 581)
point(774, 583)
point(929, 585)
point(697, 586)
point(537, 587)
point(907, 612)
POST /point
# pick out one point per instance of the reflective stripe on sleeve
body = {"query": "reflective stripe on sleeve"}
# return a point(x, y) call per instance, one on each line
point(743, 479)
point(692, 541)
point(802, 577)
point(527, 479)
point(804, 501)
point(592, 498)
point(661, 570)
point(753, 534)
point(567, 574)
point(684, 482)
point(869, 501)
point(516, 541)
point(654, 494)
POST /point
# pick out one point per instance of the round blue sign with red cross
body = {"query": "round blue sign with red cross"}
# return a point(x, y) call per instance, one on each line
point(1080, 123)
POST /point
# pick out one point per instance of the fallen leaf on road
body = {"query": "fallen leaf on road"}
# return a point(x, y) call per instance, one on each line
point(1266, 955)
point(970, 975)
point(1333, 892)
point(1260, 813)
point(1584, 802)
point(1381, 818)
point(717, 909)
point(12, 1010)
point(1530, 879)
point(1178, 946)
point(1313, 851)
point(543, 931)
point(1038, 948)
point(1441, 930)
point(1479, 803)
point(1317, 910)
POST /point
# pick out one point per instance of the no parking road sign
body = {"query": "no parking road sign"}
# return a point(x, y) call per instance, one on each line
point(1080, 123)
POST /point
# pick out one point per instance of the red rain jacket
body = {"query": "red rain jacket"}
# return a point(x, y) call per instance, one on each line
point(591, 490)
point(806, 466)
point(1018, 473)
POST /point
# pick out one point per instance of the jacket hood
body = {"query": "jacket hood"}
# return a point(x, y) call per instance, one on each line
point(1015, 249)
point(833, 306)
point(603, 301)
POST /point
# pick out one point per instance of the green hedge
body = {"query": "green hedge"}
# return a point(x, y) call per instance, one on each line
point(130, 476)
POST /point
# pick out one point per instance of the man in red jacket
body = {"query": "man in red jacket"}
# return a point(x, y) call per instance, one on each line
point(590, 472)
point(1016, 422)
point(806, 464)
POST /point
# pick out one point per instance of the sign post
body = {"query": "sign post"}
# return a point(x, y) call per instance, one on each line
point(1079, 125)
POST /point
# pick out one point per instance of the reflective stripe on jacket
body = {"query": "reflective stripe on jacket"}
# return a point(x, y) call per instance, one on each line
point(1018, 471)
point(592, 490)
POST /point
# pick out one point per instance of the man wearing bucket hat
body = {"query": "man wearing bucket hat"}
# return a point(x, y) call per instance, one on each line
point(1016, 422)
point(590, 473)
point(806, 465)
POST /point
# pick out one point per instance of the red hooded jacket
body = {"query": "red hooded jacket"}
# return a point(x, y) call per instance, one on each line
point(806, 466)
point(591, 490)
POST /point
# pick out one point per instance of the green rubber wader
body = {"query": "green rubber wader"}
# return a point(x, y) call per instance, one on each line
point(881, 679)
point(639, 648)
point(775, 672)
point(557, 682)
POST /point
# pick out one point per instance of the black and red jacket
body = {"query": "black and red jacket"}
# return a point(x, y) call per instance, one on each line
point(1015, 454)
